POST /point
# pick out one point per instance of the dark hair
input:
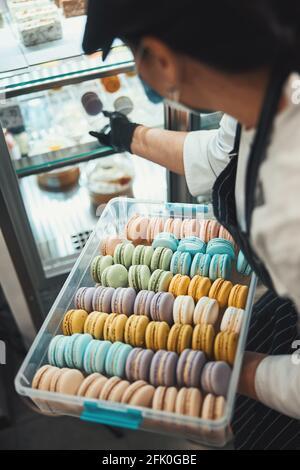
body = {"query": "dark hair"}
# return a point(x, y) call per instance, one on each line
point(230, 35)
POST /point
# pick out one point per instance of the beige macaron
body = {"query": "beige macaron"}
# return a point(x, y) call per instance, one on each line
point(139, 393)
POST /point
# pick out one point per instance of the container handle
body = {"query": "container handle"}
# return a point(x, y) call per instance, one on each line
point(130, 419)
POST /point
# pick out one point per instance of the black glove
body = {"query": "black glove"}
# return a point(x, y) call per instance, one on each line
point(118, 133)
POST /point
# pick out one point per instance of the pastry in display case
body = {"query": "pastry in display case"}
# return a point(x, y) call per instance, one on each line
point(59, 180)
point(72, 8)
point(108, 178)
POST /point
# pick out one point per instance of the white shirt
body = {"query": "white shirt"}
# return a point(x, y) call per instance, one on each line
point(275, 231)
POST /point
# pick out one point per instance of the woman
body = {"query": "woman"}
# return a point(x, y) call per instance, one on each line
point(238, 57)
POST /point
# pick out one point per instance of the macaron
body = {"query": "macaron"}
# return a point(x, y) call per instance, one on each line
point(135, 330)
point(73, 322)
point(98, 265)
point(138, 364)
point(94, 324)
point(203, 339)
point(111, 84)
point(189, 368)
point(123, 254)
point(179, 285)
point(98, 357)
point(242, 265)
point(92, 103)
point(116, 358)
point(181, 263)
point(84, 299)
point(199, 287)
point(139, 393)
point(220, 290)
point(52, 349)
point(238, 296)
point(220, 246)
point(233, 319)
point(113, 389)
point(68, 350)
point(213, 408)
point(200, 265)
point(142, 304)
point(68, 382)
point(114, 327)
point(43, 377)
point(80, 344)
point(206, 312)
point(164, 399)
point(161, 308)
point(92, 385)
point(180, 338)
point(189, 402)
point(183, 310)
point(163, 369)
point(115, 276)
point(190, 228)
point(59, 353)
point(102, 298)
point(225, 346)
point(173, 225)
point(223, 233)
point(89, 356)
point(160, 281)
point(108, 245)
point(161, 259)
point(155, 226)
point(220, 267)
point(156, 336)
point(124, 105)
point(136, 229)
point(215, 378)
point(209, 229)
point(192, 245)
point(165, 240)
point(123, 301)
point(142, 255)
point(139, 277)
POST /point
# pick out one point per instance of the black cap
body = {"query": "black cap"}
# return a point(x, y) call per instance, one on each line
point(111, 19)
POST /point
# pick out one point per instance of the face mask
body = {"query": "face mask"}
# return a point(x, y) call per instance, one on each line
point(152, 95)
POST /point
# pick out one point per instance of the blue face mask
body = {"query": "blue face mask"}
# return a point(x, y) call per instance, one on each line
point(152, 95)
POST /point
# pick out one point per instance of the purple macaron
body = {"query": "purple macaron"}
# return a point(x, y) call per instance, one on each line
point(122, 301)
point(142, 303)
point(138, 364)
point(215, 378)
point(102, 299)
point(84, 298)
point(162, 307)
point(163, 369)
point(189, 368)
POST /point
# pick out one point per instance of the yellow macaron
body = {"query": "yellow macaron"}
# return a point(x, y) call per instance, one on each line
point(199, 287)
point(179, 285)
point(180, 338)
point(225, 347)
point(74, 321)
point(135, 330)
point(156, 335)
point(108, 326)
point(94, 324)
point(238, 296)
point(220, 290)
point(203, 339)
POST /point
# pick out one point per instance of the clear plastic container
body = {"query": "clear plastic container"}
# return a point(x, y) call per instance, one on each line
point(111, 223)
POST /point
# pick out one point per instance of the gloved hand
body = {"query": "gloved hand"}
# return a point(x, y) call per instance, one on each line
point(118, 133)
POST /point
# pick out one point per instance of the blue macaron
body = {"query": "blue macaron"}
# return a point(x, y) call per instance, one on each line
point(52, 349)
point(79, 347)
point(220, 246)
point(69, 350)
point(220, 267)
point(99, 358)
point(60, 352)
point(242, 265)
point(165, 240)
point(192, 245)
point(200, 265)
point(89, 355)
point(181, 263)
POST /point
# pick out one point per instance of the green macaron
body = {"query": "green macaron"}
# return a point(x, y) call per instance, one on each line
point(139, 277)
point(160, 281)
point(123, 254)
point(115, 276)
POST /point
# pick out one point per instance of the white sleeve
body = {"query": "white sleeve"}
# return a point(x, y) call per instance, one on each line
point(277, 384)
point(206, 155)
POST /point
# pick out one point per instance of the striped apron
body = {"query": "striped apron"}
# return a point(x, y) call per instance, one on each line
point(273, 327)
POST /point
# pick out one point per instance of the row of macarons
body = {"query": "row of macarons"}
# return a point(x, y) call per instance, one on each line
point(113, 326)
point(160, 304)
point(191, 368)
point(215, 263)
point(145, 229)
point(185, 401)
